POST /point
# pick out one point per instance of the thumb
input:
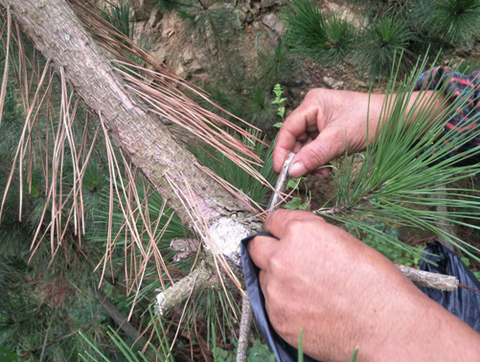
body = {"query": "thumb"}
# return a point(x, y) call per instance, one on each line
point(328, 145)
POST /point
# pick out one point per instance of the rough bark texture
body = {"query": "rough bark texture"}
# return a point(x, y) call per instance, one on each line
point(118, 317)
point(58, 34)
point(429, 280)
point(200, 279)
point(245, 330)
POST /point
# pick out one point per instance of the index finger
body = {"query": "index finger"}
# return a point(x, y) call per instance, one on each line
point(300, 121)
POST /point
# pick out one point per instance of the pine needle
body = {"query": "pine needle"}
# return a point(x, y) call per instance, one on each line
point(409, 159)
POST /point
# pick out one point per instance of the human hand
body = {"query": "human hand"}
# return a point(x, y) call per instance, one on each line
point(321, 127)
point(345, 294)
point(328, 121)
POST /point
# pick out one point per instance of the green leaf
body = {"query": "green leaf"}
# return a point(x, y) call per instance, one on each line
point(293, 204)
point(466, 261)
point(292, 183)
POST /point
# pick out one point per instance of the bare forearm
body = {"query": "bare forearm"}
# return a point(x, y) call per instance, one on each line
point(421, 105)
point(421, 330)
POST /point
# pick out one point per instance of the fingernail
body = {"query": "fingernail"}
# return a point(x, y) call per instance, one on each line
point(297, 169)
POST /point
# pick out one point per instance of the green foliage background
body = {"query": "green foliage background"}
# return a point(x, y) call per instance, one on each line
point(41, 303)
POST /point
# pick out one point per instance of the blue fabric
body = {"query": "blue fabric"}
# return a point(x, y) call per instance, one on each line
point(463, 303)
point(282, 350)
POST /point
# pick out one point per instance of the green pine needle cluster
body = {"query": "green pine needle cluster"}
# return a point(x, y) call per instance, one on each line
point(275, 66)
point(119, 17)
point(230, 172)
point(406, 164)
point(392, 27)
point(382, 40)
point(456, 20)
point(324, 39)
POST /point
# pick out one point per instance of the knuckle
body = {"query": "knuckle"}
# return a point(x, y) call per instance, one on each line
point(312, 93)
point(319, 155)
point(297, 225)
point(276, 264)
point(300, 226)
point(317, 95)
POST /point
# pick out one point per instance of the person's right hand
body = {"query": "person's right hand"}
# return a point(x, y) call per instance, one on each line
point(344, 294)
point(323, 125)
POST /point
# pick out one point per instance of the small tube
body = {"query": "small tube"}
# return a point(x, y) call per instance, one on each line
point(280, 185)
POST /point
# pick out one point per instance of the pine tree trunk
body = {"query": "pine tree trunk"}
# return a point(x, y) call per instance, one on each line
point(57, 32)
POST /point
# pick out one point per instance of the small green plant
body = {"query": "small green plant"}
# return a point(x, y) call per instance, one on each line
point(383, 40)
point(312, 35)
point(275, 65)
point(221, 355)
point(388, 249)
point(468, 263)
point(260, 110)
point(280, 101)
point(297, 202)
point(7, 356)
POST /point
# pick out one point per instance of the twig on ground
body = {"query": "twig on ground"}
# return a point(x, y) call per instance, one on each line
point(245, 330)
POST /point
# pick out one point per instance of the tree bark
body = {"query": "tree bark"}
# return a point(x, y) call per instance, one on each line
point(118, 317)
point(58, 34)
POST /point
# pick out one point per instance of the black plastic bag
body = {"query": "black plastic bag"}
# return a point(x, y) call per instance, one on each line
point(463, 303)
